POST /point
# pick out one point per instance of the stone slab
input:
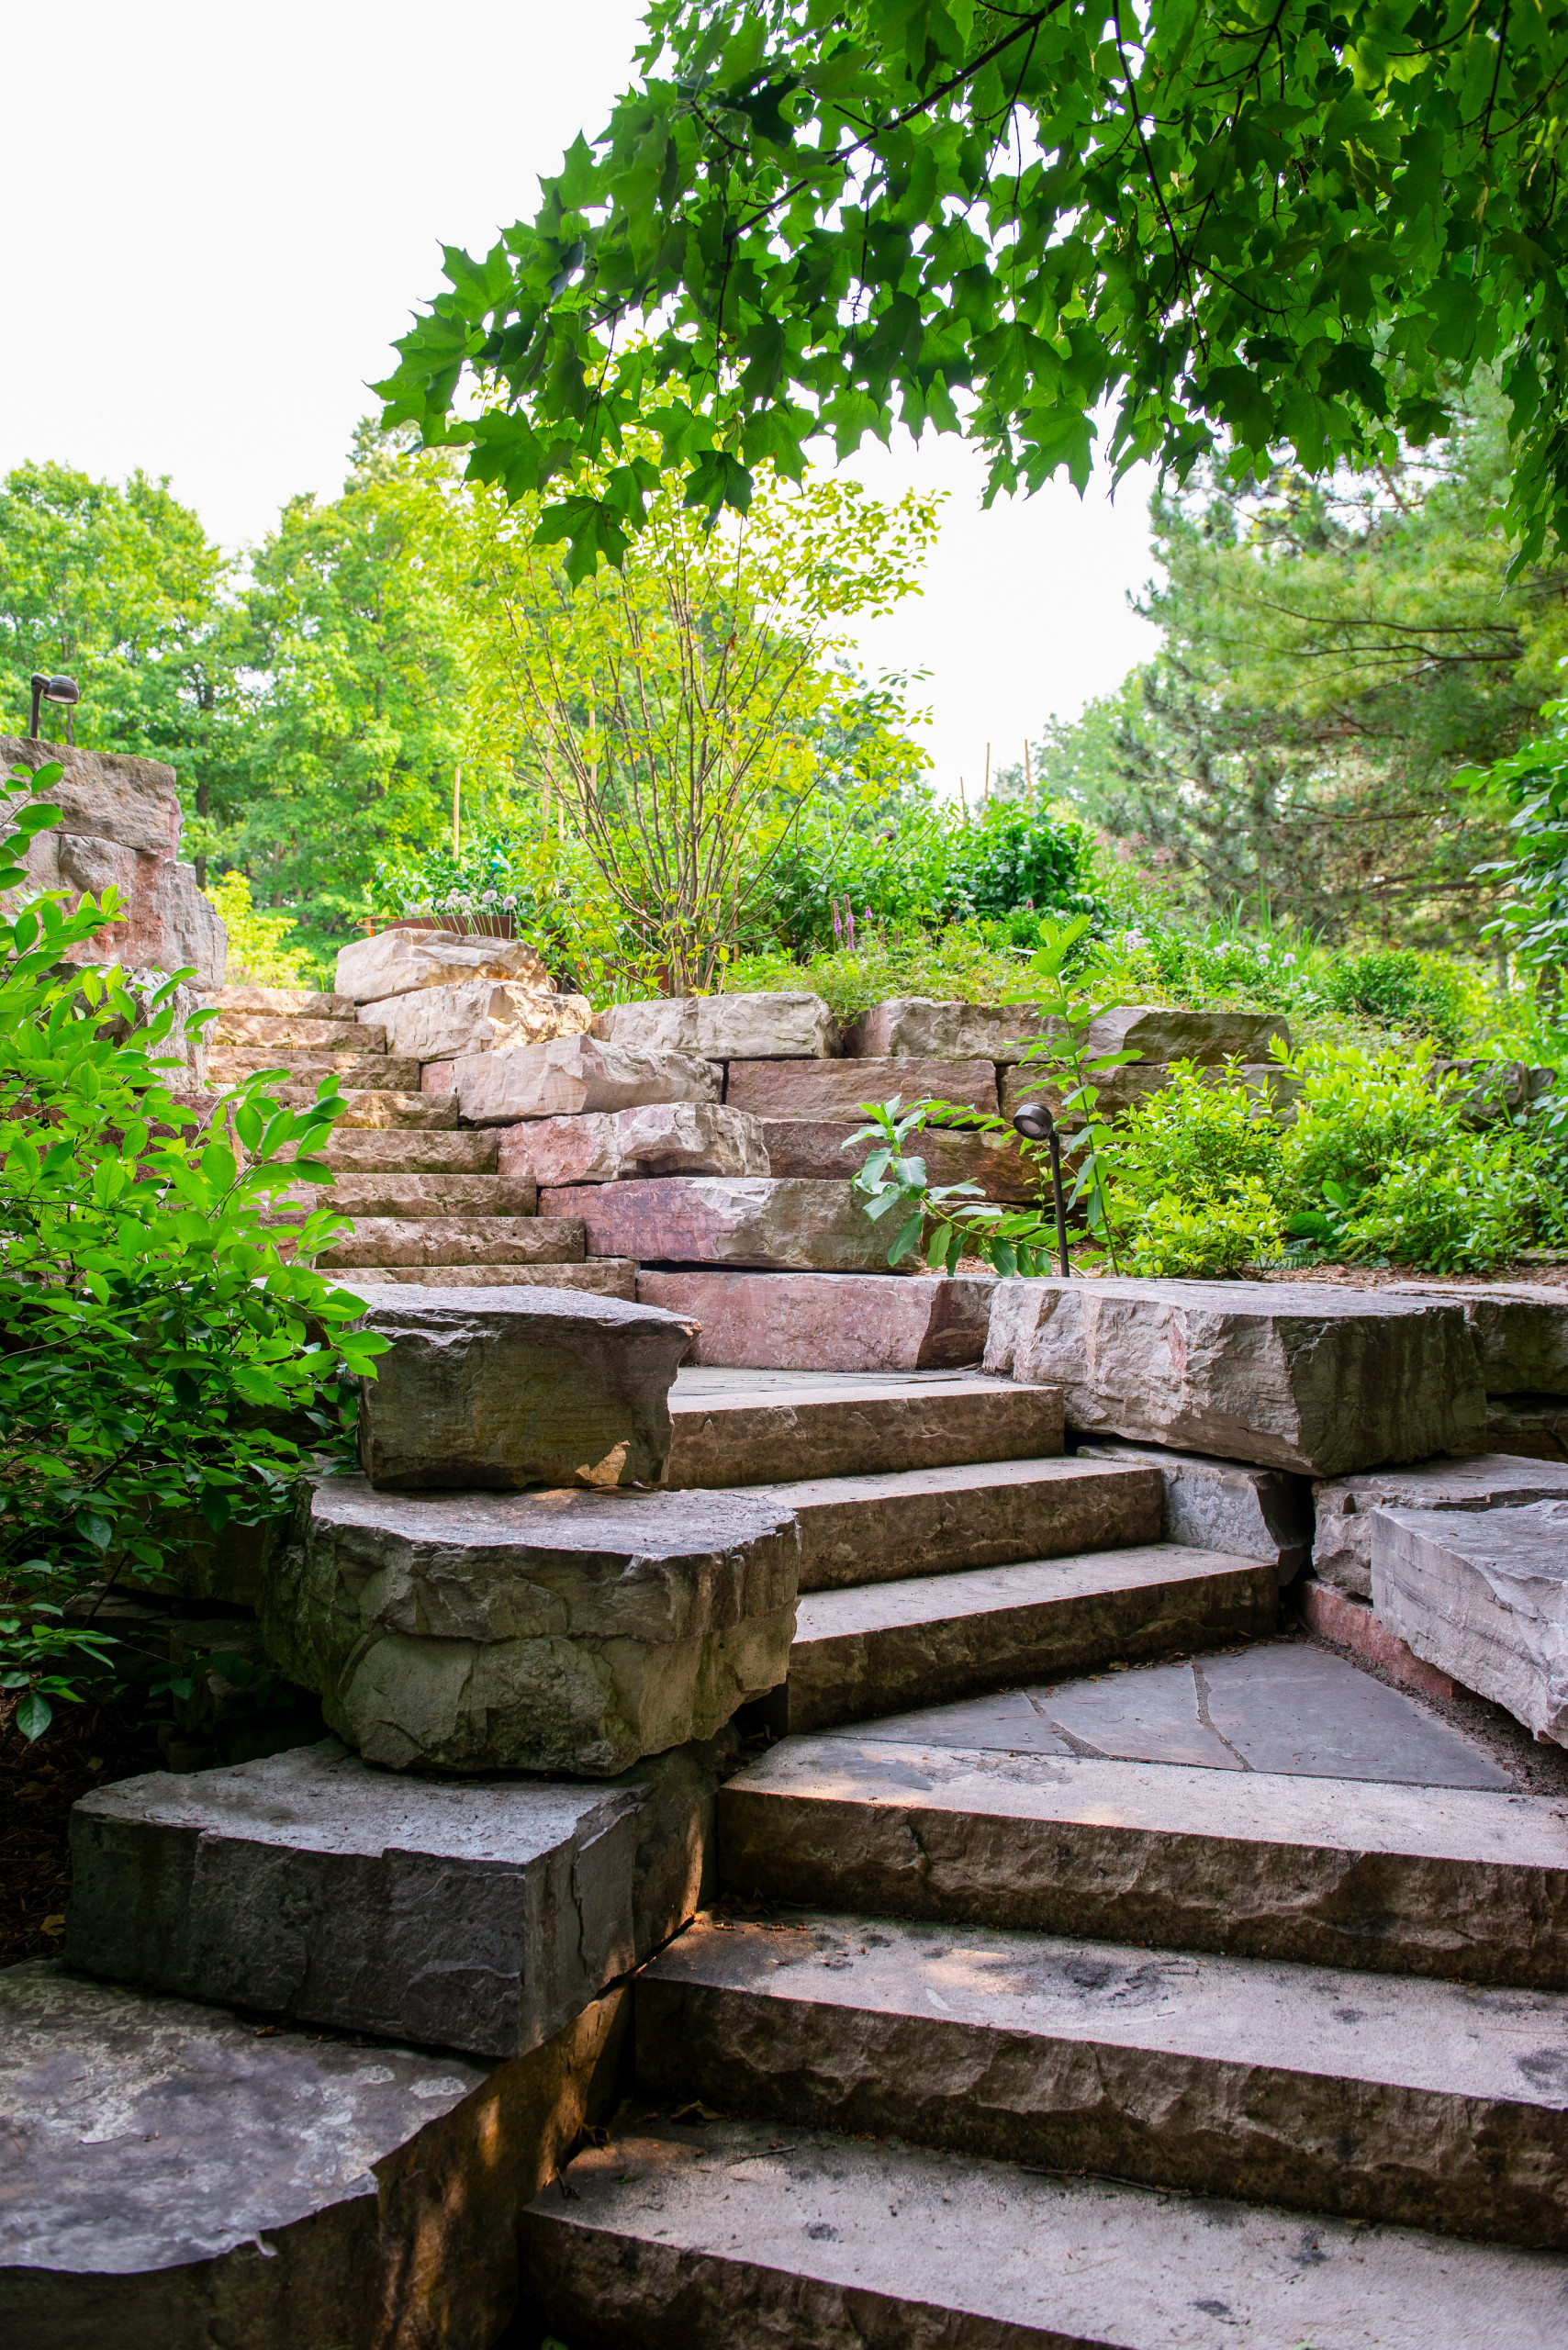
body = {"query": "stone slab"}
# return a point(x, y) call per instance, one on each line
point(751, 1220)
point(1124, 1089)
point(499, 1389)
point(1224, 1504)
point(793, 1025)
point(1382, 2097)
point(574, 1074)
point(767, 1439)
point(1530, 1428)
point(173, 2178)
point(433, 1191)
point(923, 1028)
point(836, 1322)
point(1334, 1615)
point(410, 1151)
point(1344, 1506)
point(367, 1108)
point(293, 1003)
point(484, 1917)
point(296, 1032)
point(479, 1015)
point(1520, 1332)
point(568, 1630)
point(837, 1089)
point(1164, 1033)
point(1402, 1879)
point(848, 2244)
point(1482, 1596)
point(456, 1240)
point(229, 1064)
point(394, 962)
point(661, 1139)
point(1287, 1375)
point(884, 1646)
point(597, 1276)
point(815, 1148)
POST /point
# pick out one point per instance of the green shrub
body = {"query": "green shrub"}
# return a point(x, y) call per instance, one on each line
point(1467, 1209)
point(1203, 1233)
point(1195, 1137)
point(1400, 988)
point(1361, 1115)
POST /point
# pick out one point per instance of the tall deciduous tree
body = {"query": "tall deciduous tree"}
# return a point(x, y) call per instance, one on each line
point(1256, 229)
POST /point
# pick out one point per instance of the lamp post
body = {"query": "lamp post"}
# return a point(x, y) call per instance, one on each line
point(1036, 1124)
point(63, 691)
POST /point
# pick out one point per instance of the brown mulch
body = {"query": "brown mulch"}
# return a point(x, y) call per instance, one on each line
point(86, 1746)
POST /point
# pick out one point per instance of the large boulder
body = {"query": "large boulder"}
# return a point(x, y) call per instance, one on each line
point(567, 1630)
point(1291, 1375)
point(837, 1089)
point(827, 1321)
point(1225, 1504)
point(478, 1016)
point(1345, 1508)
point(574, 1074)
point(914, 1027)
point(1483, 1594)
point(1519, 1333)
point(792, 1026)
point(395, 961)
point(716, 1220)
point(659, 1139)
point(1120, 1090)
point(314, 1886)
point(824, 1150)
point(1161, 1033)
point(503, 1388)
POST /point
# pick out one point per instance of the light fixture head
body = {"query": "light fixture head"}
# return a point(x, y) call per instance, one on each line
point(65, 691)
point(1034, 1122)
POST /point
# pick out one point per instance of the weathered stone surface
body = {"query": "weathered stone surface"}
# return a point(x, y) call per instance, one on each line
point(1289, 1375)
point(1483, 1594)
point(369, 1107)
point(665, 2233)
point(790, 1026)
point(828, 1321)
point(1531, 1427)
point(228, 1064)
point(1224, 1504)
point(558, 1631)
point(292, 1004)
point(574, 1074)
point(925, 1640)
point(395, 961)
point(1348, 1871)
point(836, 1088)
point(1161, 1033)
point(813, 1148)
point(1124, 1088)
point(915, 1027)
point(734, 1220)
point(484, 1917)
point(437, 1193)
point(500, 1389)
point(1410, 2102)
point(1352, 1624)
point(171, 2178)
point(456, 1240)
point(104, 795)
point(1486, 1091)
point(601, 1276)
point(1344, 1506)
point(769, 1438)
point(660, 1138)
point(295, 1033)
point(481, 1015)
point(410, 1151)
point(1520, 1333)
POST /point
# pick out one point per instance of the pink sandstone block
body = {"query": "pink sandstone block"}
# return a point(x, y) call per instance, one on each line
point(1334, 1616)
point(836, 1088)
point(827, 1321)
point(436, 1077)
point(726, 1220)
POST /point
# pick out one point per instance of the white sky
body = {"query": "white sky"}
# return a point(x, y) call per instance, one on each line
point(217, 219)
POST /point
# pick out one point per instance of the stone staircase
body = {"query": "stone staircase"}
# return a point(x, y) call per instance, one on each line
point(429, 1203)
point(995, 2037)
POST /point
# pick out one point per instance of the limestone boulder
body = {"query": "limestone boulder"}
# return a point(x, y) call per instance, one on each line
point(481, 1015)
point(567, 1630)
point(787, 1026)
point(827, 1321)
point(1482, 1596)
point(716, 1220)
point(499, 1389)
point(571, 1075)
point(922, 1028)
point(1161, 1033)
point(836, 1088)
point(659, 1138)
point(1290, 1376)
point(1345, 1508)
point(397, 961)
point(1520, 1332)
point(1225, 1504)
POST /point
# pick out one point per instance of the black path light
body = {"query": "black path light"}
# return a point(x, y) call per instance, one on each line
point(1036, 1124)
point(65, 690)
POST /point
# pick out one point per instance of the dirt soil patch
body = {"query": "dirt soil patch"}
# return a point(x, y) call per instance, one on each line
point(86, 1746)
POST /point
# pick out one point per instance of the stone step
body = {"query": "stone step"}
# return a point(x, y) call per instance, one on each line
point(602, 1276)
point(368, 1195)
point(836, 1088)
point(815, 1148)
point(455, 1240)
point(828, 1321)
point(830, 2242)
point(1463, 1881)
point(752, 1220)
point(1375, 2097)
point(886, 1647)
point(765, 1437)
point(293, 1003)
point(228, 1064)
point(369, 1109)
point(1482, 1596)
point(895, 1523)
point(409, 1152)
point(294, 1034)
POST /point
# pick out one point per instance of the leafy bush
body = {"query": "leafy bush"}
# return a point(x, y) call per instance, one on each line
point(159, 1322)
point(1400, 988)
point(1359, 1115)
point(1205, 1232)
point(1195, 1137)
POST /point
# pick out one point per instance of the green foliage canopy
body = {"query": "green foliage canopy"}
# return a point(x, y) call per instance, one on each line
point(1252, 228)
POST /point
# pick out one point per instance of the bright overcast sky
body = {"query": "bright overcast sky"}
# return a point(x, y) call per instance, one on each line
point(218, 218)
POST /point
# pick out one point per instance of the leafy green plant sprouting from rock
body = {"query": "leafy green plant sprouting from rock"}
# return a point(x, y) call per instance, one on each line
point(160, 1322)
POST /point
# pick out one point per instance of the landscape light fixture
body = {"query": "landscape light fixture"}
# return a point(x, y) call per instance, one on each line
point(1036, 1124)
point(65, 690)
